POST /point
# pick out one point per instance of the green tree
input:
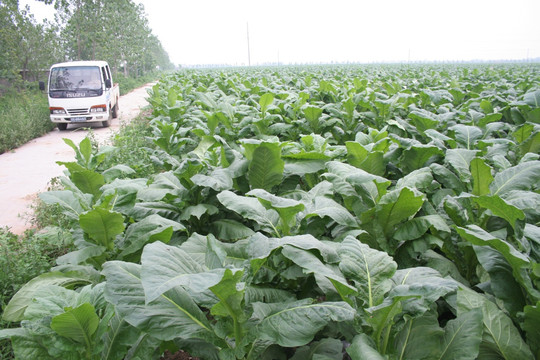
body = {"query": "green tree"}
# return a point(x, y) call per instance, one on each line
point(27, 47)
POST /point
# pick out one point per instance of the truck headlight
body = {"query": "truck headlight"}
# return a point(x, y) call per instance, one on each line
point(98, 109)
point(57, 110)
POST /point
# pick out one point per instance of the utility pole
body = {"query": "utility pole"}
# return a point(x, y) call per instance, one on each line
point(249, 54)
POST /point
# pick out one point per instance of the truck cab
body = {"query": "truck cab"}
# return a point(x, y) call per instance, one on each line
point(82, 92)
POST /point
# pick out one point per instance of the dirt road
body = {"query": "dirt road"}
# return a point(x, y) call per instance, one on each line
point(26, 171)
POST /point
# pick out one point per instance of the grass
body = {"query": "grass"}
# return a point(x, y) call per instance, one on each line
point(24, 116)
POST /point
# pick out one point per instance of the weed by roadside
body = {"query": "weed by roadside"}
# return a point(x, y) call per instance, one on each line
point(131, 143)
point(23, 116)
point(129, 83)
point(42, 215)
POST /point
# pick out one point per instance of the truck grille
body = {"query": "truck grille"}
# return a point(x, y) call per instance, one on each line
point(77, 111)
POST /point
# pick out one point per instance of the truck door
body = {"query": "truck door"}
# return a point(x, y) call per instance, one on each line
point(106, 77)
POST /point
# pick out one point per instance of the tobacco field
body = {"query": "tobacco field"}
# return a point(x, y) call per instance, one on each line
point(330, 212)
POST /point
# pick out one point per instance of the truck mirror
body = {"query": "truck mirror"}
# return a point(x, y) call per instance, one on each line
point(108, 83)
point(41, 86)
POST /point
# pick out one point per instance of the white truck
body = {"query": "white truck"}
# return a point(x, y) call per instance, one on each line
point(82, 92)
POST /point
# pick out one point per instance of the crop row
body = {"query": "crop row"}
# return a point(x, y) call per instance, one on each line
point(369, 212)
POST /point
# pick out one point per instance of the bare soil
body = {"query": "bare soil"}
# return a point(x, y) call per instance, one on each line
point(27, 170)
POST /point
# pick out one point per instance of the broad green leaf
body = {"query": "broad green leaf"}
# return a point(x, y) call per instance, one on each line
point(460, 160)
point(482, 178)
point(326, 349)
point(78, 324)
point(230, 292)
point(531, 325)
point(527, 201)
point(490, 118)
point(499, 207)
point(358, 156)
point(371, 270)
point(323, 206)
point(198, 211)
point(363, 348)
point(466, 135)
point(501, 339)
point(163, 184)
point(116, 172)
point(206, 143)
point(417, 156)
point(313, 113)
point(219, 180)
point(18, 304)
point(265, 101)
point(423, 285)
point(296, 323)
point(448, 178)
point(352, 174)
point(67, 200)
point(423, 120)
point(150, 229)
point(165, 267)
point(230, 230)
point(420, 179)
point(462, 337)
point(534, 116)
point(532, 98)
point(523, 132)
point(119, 337)
point(415, 228)
point(248, 207)
point(519, 177)
point(393, 208)
point(486, 106)
point(308, 242)
point(207, 99)
point(124, 192)
point(517, 260)
point(82, 255)
point(26, 345)
point(502, 282)
point(266, 167)
point(102, 226)
point(312, 264)
point(89, 182)
point(171, 315)
point(420, 338)
point(531, 145)
point(286, 208)
point(382, 318)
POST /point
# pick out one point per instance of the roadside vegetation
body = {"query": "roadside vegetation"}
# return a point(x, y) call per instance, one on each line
point(302, 212)
point(24, 115)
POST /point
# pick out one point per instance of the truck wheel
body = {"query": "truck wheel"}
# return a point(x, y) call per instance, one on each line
point(115, 111)
point(61, 126)
point(106, 123)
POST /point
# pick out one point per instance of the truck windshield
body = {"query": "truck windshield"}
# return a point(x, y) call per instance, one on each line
point(75, 78)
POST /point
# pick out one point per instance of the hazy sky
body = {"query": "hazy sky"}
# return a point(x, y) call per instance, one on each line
point(303, 31)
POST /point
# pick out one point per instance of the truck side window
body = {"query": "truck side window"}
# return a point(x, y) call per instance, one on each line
point(109, 72)
point(104, 73)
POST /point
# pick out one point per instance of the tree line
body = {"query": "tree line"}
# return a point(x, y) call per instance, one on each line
point(116, 31)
